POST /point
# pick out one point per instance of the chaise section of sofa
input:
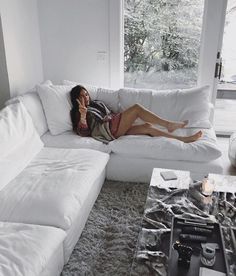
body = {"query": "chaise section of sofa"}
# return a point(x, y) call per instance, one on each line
point(58, 188)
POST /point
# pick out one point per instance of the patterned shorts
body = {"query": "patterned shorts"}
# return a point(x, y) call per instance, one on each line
point(114, 123)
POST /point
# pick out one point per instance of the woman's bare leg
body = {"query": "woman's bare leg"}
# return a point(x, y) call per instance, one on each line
point(149, 129)
point(137, 111)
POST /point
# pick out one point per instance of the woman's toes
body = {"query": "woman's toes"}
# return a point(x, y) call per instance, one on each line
point(199, 134)
point(193, 138)
point(173, 126)
point(185, 123)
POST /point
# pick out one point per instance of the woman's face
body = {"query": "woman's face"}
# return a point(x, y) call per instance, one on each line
point(84, 97)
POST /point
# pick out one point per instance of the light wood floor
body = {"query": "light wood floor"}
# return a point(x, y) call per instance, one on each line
point(223, 143)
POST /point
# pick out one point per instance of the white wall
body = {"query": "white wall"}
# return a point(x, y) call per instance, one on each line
point(78, 42)
point(22, 44)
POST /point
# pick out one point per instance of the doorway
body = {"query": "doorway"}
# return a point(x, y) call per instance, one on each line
point(225, 108)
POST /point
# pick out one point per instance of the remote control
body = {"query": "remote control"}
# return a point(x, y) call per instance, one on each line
point(196, 230)
point(194, 223)
point(192, 238)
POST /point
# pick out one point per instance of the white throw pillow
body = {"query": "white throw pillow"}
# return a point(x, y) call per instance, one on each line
point(57, 105)
point(186, 104)
point(19, 141)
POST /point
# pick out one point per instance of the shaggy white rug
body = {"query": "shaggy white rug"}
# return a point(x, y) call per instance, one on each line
point(108, 241)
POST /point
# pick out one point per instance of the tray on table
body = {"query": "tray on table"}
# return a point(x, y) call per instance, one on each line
point(176, 269)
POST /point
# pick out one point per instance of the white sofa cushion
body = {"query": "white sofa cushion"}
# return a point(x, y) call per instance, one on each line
point(57, 105)
point(71, 140)
point(19, 141)
point(186, 104)
point(52, 189)
point(34, 106)
point(140, 169)
point(25, 249)
point(141, 146)
point(109, 96)
point(131, 96)
point(93, 90)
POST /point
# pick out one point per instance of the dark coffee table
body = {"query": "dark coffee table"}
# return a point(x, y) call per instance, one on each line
point(167, 199)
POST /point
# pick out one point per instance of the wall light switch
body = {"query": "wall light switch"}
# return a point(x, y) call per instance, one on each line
point(101, 56)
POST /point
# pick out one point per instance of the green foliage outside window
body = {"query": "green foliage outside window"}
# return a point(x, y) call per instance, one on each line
point(162, 35)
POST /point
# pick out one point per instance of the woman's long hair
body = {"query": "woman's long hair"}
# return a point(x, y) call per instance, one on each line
point(74, 112)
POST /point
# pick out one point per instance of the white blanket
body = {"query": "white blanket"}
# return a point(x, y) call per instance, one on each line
point(51, 190)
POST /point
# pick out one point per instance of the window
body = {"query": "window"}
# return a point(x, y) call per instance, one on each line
point(162, 43)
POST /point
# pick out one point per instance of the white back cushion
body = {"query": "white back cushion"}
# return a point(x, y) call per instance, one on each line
point(34, 106)
point(109, 96)
point(57, 105)
point(131, 96)
point(19, 141)
point(93, 90)
point(193, 105)
point(187, 104)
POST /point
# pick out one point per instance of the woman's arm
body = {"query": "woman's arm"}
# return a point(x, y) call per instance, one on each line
point(82, 127)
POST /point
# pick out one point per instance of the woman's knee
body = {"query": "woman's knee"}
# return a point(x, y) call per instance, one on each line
point(137, 107)
point(148, 125)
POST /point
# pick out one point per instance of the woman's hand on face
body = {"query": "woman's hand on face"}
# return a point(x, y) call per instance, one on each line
point(82, 108)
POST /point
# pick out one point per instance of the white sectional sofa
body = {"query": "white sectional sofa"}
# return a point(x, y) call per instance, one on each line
point(51, 177)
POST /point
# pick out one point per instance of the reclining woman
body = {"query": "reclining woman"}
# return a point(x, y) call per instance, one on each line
point(94, 118)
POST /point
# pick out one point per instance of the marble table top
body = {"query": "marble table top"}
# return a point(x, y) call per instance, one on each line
point(167, 199)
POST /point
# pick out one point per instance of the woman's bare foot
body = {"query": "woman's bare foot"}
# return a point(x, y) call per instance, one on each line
point(192, 138)
point(172, 126)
